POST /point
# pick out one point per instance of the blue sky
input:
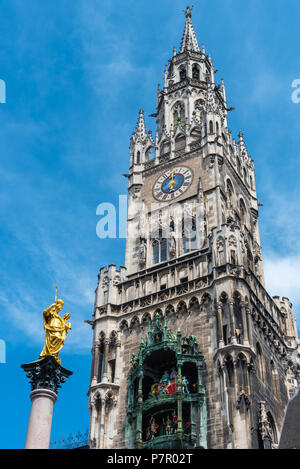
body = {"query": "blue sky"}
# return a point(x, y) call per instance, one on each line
point(77, 73)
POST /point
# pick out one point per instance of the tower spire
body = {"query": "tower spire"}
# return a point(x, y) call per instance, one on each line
point(189, 39)
point(140, 127)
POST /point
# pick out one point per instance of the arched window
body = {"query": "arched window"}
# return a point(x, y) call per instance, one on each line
point(180, 142)
point(178, 116)
point(159, 248)
point(165, 147)
point(217, 128)
point(230, 192)
point(275, 381)
point(111, 359)
point(138, 157)
point(155, 248)
point(195, 72)
point(260, 363)
point(189, 234)
point(150, 153)
point(272, 427)
point(211, 127)
point(182, 73)
point(101, 358)
point(163, 250)
point(243, 212)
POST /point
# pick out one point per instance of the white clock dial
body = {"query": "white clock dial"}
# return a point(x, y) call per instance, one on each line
point(172, 183)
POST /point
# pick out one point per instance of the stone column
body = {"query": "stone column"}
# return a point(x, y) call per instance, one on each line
point(249, 322)
point(105, 365)
point(245, 325)
point(220, 325)
point(232, 322)
point(40, 420)
point(46, 376)
point(139, 414)
point(95, 364)
point(179, 402)
point(203, 425)
point(117, 368)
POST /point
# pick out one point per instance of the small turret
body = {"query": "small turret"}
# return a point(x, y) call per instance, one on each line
point(141, 142)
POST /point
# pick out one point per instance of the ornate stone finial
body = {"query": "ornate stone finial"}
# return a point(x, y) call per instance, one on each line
point(188, 11)
point(56, 329)
point(140, 130)
point(189, 40)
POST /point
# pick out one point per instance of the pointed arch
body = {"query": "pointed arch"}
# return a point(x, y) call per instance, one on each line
point(150, 153)
point(195, 72)
point(178, 115)
point(145, 319)
point(181, 308)
point(230, 192)
point(165, 147)
point(123, 325)
point(243, 212)
point(170, 310)
point(260, 363)
point(134, 322)
point(206, 299)
point(182, 72)
point(273, 429)
point(193, 304)
point(180, 141)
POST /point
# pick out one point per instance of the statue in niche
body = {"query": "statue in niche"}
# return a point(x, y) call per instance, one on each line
point(239, 334)
point(220, 252)
point(142, 252)
point(165, 380)
point(168, 425)
point(174, 422)
point(172, 248)
point(185, 384)
point(153, 427)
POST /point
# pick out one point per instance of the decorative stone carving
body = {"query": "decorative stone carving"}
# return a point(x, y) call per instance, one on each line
point(46, 374)
point(142, 252)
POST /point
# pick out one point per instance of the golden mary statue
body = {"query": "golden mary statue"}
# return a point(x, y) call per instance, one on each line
point(56, 329)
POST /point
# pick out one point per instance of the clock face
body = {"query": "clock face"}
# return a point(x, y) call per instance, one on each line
point(172, 183)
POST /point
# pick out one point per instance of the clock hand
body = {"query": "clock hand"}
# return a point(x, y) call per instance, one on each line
point(172, 183)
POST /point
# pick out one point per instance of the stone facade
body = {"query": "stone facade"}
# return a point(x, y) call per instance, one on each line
point(210, 286)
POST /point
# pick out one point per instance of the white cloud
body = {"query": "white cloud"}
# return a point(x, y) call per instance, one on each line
point(282, 276)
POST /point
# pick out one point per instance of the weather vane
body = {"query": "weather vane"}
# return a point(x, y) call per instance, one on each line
point(56, 329)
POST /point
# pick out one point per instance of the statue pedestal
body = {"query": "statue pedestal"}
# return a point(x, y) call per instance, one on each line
point(46, 376)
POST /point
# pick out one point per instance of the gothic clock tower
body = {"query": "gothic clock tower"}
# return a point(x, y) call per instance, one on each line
point(189, 350)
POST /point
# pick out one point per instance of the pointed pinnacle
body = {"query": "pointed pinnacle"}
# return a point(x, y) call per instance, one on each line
point(189, 39)
point(140, 127)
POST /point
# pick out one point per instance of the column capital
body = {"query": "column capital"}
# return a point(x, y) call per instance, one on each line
point(46, 374)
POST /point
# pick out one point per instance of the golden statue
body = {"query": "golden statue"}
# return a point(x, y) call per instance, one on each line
point(56, 329)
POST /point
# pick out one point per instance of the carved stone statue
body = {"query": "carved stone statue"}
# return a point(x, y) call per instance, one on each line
point(142, 252)
point(56, 329)
point(172, 248)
